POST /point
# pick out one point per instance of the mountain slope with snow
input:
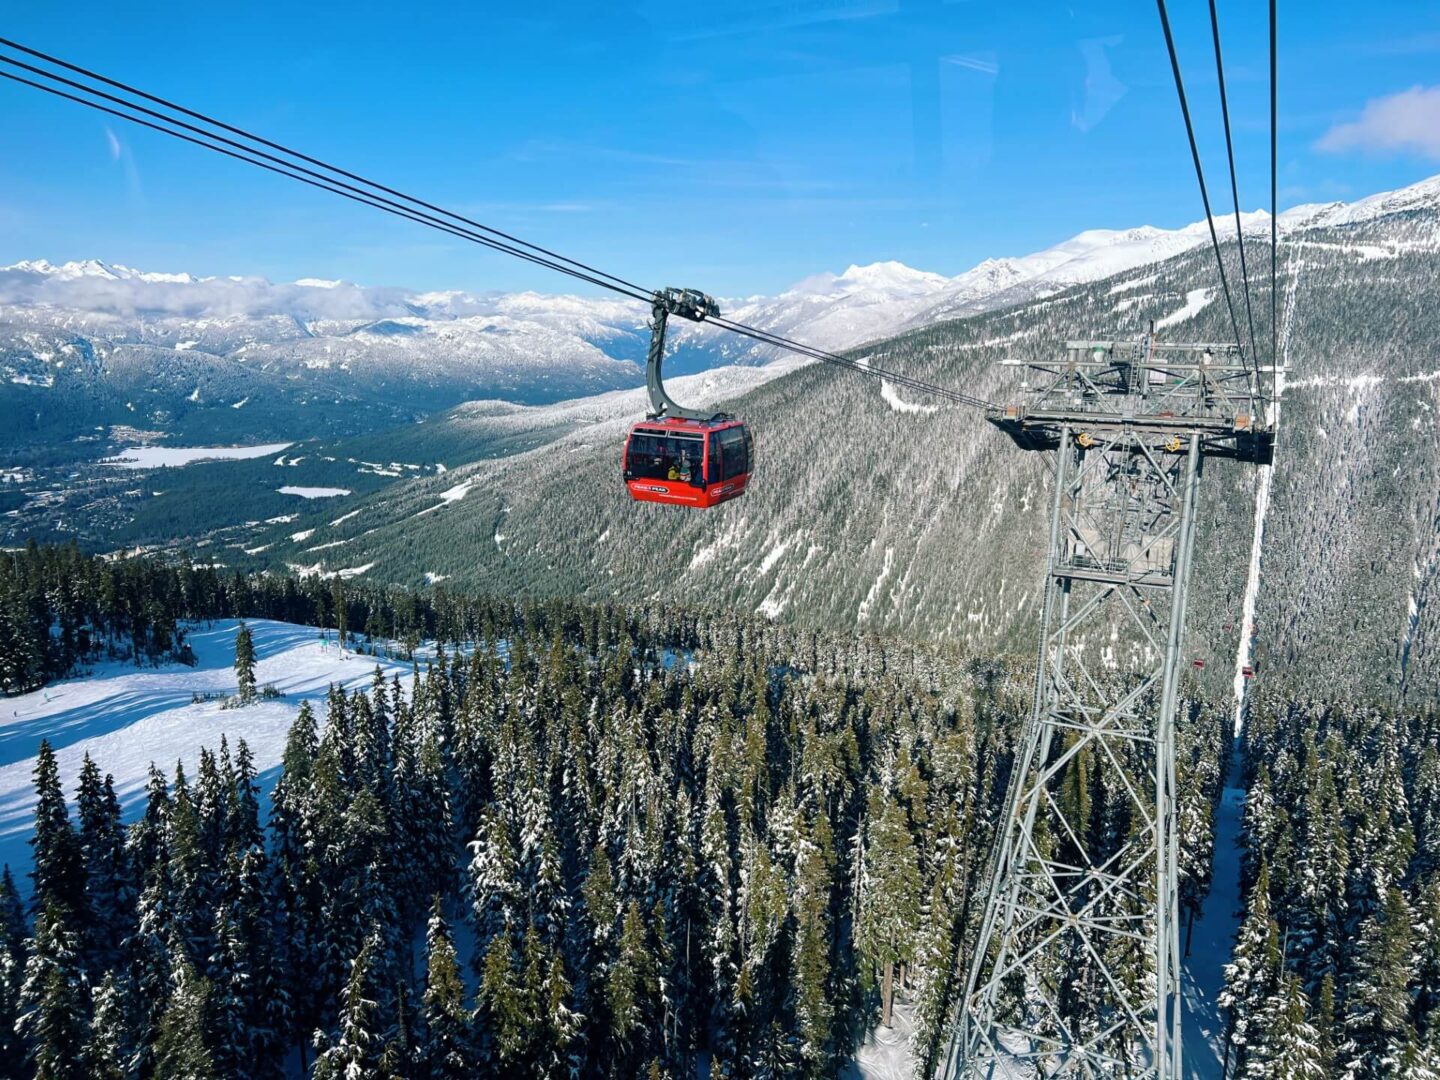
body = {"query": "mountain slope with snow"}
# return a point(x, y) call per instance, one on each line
point(871, 508)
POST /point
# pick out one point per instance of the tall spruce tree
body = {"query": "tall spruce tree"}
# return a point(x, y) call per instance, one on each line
point(59, 873)
point(55, 999)
point(108, 1054)
point(1284, 1044)
point(355, 1049)
point(1253, 974)
point(1377, 1004)
point(244, 665)
point(182, 1046)
point(13, 933)
point(447, 1048)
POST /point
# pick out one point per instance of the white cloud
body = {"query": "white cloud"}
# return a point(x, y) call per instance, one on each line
point(1408, 121)
point(114, 142)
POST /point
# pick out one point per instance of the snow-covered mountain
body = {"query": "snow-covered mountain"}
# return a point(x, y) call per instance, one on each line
point(151, 348)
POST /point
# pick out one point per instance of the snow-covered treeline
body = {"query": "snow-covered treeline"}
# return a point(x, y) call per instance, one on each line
point(1336, 968)
point(61, 609)
point(600, 843)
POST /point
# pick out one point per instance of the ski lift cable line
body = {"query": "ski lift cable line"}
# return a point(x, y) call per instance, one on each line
point(1234, 185)
point(1199, 169)
point(193, 114)
point(293, 171)
point(271, 163)
point(857, 364)
point(1274, 224)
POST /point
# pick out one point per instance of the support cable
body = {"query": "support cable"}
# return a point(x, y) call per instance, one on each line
point(1234, 186)
point(858, 364)
point(156, 99)
point(1199, 170)
point(417, 210)
point(1274, 221)
point(401, 213)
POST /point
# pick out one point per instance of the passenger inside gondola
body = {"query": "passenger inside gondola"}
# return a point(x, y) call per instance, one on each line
point(665, 457)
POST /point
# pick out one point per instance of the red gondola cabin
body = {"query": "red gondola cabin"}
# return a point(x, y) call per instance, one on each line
point(698, 463)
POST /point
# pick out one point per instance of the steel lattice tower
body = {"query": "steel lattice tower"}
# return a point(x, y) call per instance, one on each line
point(1076, 969)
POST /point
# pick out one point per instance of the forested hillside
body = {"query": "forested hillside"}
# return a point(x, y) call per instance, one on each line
point(585, 841)
point(875, 511)
point(1336, 971)
point(61, 609)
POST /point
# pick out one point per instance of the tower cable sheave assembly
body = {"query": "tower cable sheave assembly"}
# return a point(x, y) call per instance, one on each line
point(167, 117)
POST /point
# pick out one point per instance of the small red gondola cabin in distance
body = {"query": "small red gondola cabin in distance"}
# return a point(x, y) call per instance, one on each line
point(684, 462)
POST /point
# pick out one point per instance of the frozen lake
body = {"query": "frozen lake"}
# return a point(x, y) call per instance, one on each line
point(160, 457)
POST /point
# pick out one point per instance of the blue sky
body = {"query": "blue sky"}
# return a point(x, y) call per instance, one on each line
point(733, 146)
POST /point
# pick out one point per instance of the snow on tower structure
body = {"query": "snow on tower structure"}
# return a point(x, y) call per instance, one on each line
point(1076, 970)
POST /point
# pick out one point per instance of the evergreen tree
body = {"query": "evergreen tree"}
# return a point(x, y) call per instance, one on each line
point(1284, 1044)
point(59, 872)
point(12, 969)
point(1377, 1010)
point(890, 893)
point(101, 838)
point(501, 1014)
point(244, 665)
point(108, 1053)
point(55, 1000)
point(446, 1050)
point(356, 1048)
point(182, 1050)
point(1252, 976)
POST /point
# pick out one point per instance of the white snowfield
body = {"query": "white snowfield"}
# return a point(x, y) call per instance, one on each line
point(156, 457)
point(313, 492)
point(126, 717)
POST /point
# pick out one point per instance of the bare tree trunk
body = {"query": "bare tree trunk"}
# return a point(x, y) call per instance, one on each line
point(887, 993)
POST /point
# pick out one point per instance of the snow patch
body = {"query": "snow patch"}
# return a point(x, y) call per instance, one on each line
point(870, 597)
point(125, 718)
point(1195, 302)
point(897, 404)
point(774, 555)
point(313, 492)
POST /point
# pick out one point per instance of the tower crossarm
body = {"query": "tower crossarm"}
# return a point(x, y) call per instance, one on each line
point(1160, 391)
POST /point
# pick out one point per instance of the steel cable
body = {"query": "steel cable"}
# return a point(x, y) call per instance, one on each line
point(1199, 170)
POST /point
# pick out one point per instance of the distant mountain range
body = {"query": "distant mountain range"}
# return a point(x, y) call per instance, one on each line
point(869, 508)
point(86, 345)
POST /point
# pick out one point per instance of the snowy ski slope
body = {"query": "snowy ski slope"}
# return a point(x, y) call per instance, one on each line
point(125, 717)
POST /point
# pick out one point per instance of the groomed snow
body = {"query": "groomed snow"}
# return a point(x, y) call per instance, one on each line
point(885, 1052)
point(1195, 301)
point(159, 457)
point(126, 717)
